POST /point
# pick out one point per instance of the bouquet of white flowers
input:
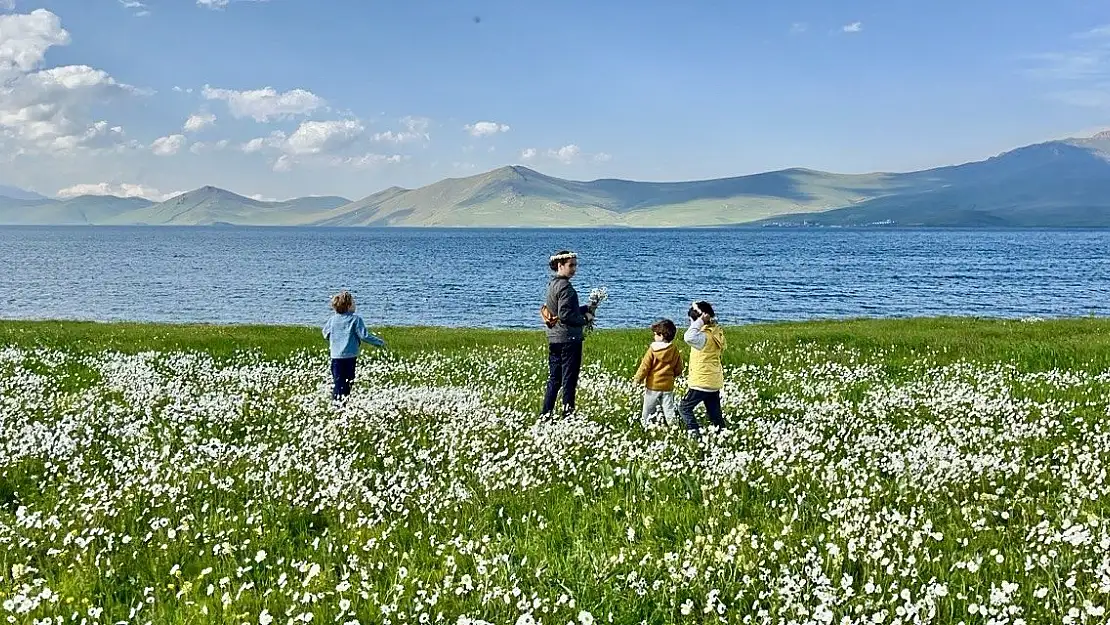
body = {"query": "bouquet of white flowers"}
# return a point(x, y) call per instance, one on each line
point(597, 296)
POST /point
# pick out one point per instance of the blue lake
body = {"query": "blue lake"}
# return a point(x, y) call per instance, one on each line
point(496, 278)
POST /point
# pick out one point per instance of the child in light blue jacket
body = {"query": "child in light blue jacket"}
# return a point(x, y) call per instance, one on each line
point(345, 331)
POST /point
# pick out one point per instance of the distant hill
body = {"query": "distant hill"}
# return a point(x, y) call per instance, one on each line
point(1062, 183)
point(16, 193)
point(518, 196)
point(1059, 183)
point(209, 206)
point(1054, 184)
point(205, 206)
point(83, 210)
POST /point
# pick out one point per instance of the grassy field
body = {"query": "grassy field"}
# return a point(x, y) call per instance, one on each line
point(1083, 343)
point(902, 471)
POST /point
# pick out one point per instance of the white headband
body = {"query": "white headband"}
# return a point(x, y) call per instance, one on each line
point(567, 256)
point(695, 306)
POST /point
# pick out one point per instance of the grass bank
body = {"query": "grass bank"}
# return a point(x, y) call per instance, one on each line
point(1073, 343)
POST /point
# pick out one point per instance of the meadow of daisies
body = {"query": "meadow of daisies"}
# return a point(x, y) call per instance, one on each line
point(874, 472)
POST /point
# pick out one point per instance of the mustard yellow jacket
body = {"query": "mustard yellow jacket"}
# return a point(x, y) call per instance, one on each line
point(659, 366)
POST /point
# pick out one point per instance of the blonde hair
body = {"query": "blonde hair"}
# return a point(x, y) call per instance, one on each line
point(343, 302)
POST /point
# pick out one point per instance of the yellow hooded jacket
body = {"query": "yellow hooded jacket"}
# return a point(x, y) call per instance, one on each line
point(706, 372)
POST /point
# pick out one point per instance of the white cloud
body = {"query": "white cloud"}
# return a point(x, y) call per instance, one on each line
point(275, 141)
point(284, 163)
point(24, 40)
point(367, 161)
point(566, 154)
point(266, 104)
point(74, 77)
point(314, 137)
point(47, 110)
point(1099, 32)
point(220, 4)
point(483, 129)
point(138, 7)
point(167, 146)
point(201, 147)
point(199, 121)
point(97, 136)
point(798, 28)
point(418, 125)
point(854, 27)
point(392, 137)
point(287, 162)
point(7, 5)
point(333, 143)
point(119, 190)
point(416, 129)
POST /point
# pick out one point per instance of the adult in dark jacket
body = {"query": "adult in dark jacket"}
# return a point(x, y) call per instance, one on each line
point(564, 332)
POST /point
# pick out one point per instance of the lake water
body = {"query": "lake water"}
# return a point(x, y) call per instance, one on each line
point(496, 278)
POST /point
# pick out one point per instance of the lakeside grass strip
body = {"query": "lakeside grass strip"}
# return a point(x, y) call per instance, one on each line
point(1028, 345)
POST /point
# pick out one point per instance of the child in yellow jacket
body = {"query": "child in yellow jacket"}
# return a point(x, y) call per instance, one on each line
point(658, 369)
point(707, 377)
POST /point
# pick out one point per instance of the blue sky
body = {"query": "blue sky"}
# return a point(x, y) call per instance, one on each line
point(295, 97)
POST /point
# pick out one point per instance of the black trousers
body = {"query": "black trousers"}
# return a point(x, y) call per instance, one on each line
point(564, 360)
point(342, 374)
point(712, 403)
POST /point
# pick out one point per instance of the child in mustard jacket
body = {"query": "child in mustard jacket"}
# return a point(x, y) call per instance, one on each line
point(658, 369)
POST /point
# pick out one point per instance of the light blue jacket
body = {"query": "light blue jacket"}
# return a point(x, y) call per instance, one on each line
point(345, 332)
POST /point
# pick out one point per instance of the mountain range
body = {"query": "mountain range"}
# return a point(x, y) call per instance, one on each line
point(1064, 183)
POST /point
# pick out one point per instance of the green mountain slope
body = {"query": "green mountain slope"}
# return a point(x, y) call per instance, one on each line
point(79, 211)
point(1055, 184)
point(518, 196)
point(209, 206)
point(1058, 183)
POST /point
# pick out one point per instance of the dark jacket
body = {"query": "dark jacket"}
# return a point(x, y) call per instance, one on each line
point(562, 300)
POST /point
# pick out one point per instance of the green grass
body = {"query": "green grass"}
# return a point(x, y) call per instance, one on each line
point(1075, 343)
point(142, 463)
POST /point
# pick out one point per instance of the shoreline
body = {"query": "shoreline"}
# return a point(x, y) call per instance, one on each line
point(556, 228)
point(814, 321)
